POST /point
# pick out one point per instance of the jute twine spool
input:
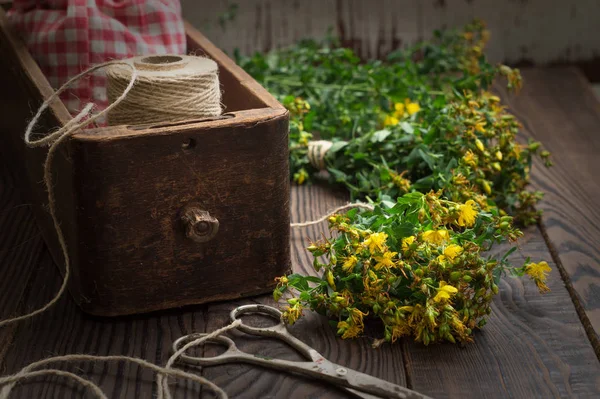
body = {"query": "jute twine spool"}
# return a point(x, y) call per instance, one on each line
point(168, 88)
point(131, 91)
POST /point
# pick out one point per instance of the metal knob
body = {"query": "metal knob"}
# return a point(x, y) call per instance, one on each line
point(199, 225)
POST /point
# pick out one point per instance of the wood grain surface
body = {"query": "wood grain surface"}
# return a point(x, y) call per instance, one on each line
point(558, 108)
point(536, 31)
point(533, 345)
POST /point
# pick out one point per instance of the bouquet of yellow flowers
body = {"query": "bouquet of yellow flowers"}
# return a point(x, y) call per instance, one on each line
point(418, 265)
point(420, 136)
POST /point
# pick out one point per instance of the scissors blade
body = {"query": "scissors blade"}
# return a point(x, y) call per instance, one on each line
point(360, 394)
point(382, 388)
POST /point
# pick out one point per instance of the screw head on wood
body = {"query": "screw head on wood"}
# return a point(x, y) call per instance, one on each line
point(199, 225)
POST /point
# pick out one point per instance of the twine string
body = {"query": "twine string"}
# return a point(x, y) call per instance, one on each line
point(121, 93)
point(339, 209)
point(54, 140)
point(191, 91)
point(317, 150)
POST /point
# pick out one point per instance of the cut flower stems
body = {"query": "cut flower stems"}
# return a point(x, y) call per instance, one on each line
point(421, 137)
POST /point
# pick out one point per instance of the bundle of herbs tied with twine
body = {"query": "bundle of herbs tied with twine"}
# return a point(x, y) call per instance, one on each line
point(421, 138)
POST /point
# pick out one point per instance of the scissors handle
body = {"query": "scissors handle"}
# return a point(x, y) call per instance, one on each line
point(231, 354)
point(278, 331)
point(360, 384)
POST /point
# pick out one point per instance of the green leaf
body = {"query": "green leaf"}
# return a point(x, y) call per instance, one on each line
point(380, 135)
point(407, 127)
point(336, 146)
point(510, 251)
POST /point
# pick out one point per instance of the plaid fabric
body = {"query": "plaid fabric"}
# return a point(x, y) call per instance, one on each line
point(68, 36)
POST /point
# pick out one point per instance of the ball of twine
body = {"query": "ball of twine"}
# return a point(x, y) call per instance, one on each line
point(168, 88)
point(317, 150)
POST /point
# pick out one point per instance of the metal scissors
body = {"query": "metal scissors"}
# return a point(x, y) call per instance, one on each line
point(357, 383)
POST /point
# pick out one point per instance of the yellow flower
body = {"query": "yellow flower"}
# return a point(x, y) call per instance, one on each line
point(468, 214)
point(452, 251)
point(282, 280)
point(291, 314)
point(499, 155)
point(376, 242)
point(400, 330)
point(407, 242)
point(479, 126)
point(399, 108)
point(357, 316)
point(402, 183)
point(517, 151)
point(386, 260)
point(349, 263)
point(347, 330)
point(304, 138)
point(538, 273)
point(444, 292)
point(412, 108)
point(470, 158)
point(390, 120)
point(436, 236)
point(301, 176)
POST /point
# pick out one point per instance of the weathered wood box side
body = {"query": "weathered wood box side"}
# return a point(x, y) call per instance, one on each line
point(122, 191)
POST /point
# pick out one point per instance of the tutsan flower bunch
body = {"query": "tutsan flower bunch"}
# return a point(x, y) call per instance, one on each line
point(422, 120)
point(420, 135)
point(419, 265)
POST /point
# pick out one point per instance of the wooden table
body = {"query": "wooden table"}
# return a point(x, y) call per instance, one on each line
point(533, 345)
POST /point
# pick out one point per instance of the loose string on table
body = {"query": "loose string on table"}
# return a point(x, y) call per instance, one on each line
point(54, 140)
point(339, 209)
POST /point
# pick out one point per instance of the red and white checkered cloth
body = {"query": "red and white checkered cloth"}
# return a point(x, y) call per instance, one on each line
point(66, 37)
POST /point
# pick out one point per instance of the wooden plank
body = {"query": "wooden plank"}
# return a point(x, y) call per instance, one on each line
point(558, 108)
point(252, 382)
point(21, 245)
point(536, 31)
point(28, 279)
point(532, 346)
point(67, 330)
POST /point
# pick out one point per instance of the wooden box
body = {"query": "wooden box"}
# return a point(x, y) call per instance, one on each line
point(128, 195)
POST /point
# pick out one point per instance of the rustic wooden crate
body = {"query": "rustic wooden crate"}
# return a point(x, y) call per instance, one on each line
point(122, 192)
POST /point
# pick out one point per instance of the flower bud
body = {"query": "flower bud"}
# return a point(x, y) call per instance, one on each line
point(479, 145)
point(534, 146)
point(330, 279)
